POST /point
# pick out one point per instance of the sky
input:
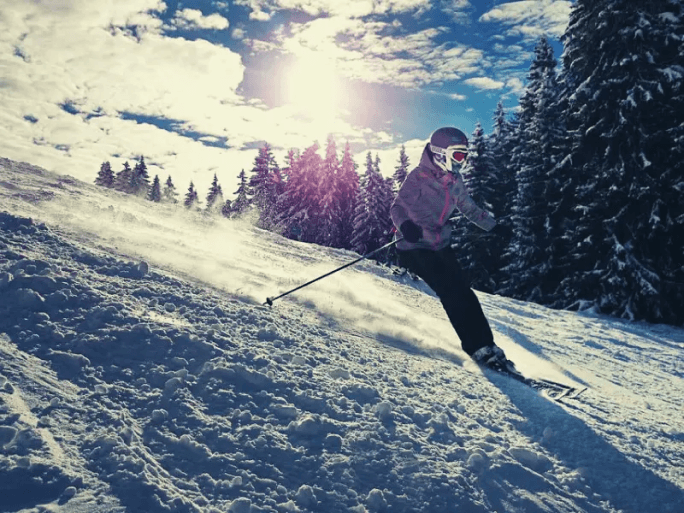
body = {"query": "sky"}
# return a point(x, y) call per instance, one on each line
point(140, 371)
point(197, 86)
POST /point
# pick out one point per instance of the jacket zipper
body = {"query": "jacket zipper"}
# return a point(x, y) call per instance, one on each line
point(444, 210)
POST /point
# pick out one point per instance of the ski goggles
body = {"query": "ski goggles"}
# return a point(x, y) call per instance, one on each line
point(458, 153)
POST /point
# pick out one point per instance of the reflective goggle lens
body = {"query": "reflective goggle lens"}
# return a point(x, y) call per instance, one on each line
point(459, 156)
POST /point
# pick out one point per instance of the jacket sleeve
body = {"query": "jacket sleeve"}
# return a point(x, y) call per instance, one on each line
point(407, 197)
point(468, 207)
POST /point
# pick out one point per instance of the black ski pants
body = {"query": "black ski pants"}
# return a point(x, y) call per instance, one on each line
point(442, 272)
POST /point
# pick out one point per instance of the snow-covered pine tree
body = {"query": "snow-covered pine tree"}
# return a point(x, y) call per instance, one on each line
point(140, 179)
point(169, 194)
point(191, 197)
point(555, 144)
point(301, 202)
point(227, 208)
point(348, 190)
point(105, 177)
point(331, 223)
point(401, 171)
point(155, 190)
point(284, 200)
point(241, 202)
point(475, 247)
point(390, 255)
point(215, 196)
point(385, 197)
point(265, 175)
point(500, 144)
point(123, 179)
point(623, 61)
point(370, 216)
point(534, 158)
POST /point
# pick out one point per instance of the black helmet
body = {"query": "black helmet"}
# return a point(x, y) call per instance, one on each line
point(449, 147)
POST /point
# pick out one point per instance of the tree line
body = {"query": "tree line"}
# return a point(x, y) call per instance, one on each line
point(585, 178)
point(321, 200)
point(136, 181)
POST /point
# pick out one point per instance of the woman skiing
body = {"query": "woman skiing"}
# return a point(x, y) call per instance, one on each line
point(421, 212)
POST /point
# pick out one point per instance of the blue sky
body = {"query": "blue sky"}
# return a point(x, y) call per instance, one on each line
point(197, 86)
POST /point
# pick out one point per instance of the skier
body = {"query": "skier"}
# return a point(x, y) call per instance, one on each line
point(421, 210)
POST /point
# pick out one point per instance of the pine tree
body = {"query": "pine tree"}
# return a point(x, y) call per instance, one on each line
point(553, 147)
point(534, 158)
point(300, 211)
point(215, 196)
point(123, 179)
point(140, 179)
point(501, 144)
point(227, 208)
point(476, 247)
point(241, 203)
point(402, 169)
point(169, 194)
point(285, 200)
point(263, 186)
point(370, 217)
point(626, 111)
point(155, 190)
point(385, 197)
point(191, 197)
point(105, 178)
point(348, 191)
point(331, 222)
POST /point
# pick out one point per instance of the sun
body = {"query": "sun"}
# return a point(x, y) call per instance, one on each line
point(312, 87)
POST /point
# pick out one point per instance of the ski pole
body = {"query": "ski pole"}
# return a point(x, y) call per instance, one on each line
point(270, 300)
point(497, 219)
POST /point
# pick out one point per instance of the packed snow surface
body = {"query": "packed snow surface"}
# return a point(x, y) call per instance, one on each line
point(141, 372)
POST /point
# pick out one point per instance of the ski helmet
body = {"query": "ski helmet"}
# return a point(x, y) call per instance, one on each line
point(449, 147)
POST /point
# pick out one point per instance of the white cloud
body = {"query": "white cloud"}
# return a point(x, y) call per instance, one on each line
point(501, 48)
point(194, 19)
point(532, 18)
point(516, 86)
point(377, 52)
point(457, 10)
point(259, 46)
point(221, 5)
point(258, 8)
point(259, 15)
point(238, 33)
point(263, 9)
point(484, 83)
point(92, 55)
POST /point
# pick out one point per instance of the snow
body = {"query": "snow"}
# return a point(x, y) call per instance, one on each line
point(673, 73)
point(141, 372)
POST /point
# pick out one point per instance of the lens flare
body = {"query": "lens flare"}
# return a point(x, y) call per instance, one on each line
point(313, 88)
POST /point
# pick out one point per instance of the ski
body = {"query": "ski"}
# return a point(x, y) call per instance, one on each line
point(555, 391)
point(546, 387)
point(570, 391)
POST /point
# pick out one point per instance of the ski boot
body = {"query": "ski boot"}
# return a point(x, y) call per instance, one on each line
point(494, 358)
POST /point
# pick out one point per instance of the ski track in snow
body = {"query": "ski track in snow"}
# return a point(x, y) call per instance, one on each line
point(140, 372)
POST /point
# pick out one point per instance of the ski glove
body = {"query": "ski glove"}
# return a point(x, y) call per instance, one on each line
point(411, 231)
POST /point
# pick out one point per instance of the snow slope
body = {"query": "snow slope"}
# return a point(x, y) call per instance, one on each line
point(140, 372)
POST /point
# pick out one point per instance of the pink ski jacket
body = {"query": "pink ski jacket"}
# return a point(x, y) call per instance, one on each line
point(428, 197)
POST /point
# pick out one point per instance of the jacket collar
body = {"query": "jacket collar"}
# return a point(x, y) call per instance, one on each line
point(426, 163)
